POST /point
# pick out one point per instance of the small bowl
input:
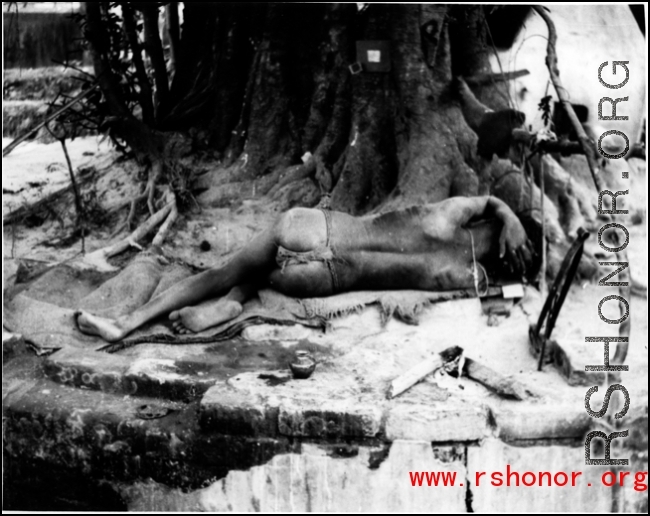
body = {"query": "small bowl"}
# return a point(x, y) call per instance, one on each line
point(302, 365)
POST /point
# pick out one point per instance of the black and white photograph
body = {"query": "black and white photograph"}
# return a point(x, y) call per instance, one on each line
point(324, 257)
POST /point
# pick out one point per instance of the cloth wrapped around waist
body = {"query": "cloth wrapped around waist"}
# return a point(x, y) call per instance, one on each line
point(285, 257)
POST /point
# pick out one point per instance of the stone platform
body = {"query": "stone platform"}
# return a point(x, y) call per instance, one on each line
point(224, 427)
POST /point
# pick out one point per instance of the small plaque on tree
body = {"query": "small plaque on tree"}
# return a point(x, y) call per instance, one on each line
point(374, 56)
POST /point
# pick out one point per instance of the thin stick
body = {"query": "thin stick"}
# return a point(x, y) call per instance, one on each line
point(542, 282)
point(77, 198)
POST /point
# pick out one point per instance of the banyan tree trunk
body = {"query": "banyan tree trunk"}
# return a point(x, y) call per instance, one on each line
point(272, 82)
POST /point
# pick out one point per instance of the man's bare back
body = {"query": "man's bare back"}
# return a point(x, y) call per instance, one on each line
point(415, 248)
point(312, 252)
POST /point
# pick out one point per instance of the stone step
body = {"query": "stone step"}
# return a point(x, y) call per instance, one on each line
point(108, 436)
point(330, 405)
point(115, 374)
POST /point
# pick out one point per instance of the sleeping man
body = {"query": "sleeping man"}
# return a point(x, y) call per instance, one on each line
point(312, 252)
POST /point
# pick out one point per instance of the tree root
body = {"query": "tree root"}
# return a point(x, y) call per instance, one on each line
point(294, 173)
point(171, 218)
point(99, 258)
point(128, 223)
point(140, 232)
point(131, 216)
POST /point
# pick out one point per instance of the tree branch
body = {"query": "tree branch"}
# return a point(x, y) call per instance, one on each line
point(564, 147)
point(588, 146)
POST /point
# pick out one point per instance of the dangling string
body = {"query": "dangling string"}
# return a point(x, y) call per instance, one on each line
point(475, 270)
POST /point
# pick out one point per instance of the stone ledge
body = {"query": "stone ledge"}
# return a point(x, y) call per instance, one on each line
point(226, 410)
point(453, 420)
point(338, 419)
point(116, 374)
point(520, 421)
point(330, 405)
point(295, 408)
point(166, 378)
point(89, 370)
point(102, 436)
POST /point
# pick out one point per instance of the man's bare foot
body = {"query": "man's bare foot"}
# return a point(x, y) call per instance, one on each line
point(107, 329)
point(198, 318)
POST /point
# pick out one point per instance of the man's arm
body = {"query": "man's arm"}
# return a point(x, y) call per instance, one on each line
point(468, 209)
point(513, 238)
point(513, 241)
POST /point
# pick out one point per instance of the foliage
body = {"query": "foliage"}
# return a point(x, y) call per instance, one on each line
point(93, 112)
point(545, 107)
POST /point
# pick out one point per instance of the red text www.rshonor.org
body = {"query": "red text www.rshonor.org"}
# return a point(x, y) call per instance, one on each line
point(512, 478)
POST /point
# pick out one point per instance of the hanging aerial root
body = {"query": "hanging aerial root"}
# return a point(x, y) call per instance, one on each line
point(150, 191)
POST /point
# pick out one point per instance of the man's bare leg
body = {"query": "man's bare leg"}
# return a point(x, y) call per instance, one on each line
point(299, 229)
point(255, 260)
point(213, 312)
